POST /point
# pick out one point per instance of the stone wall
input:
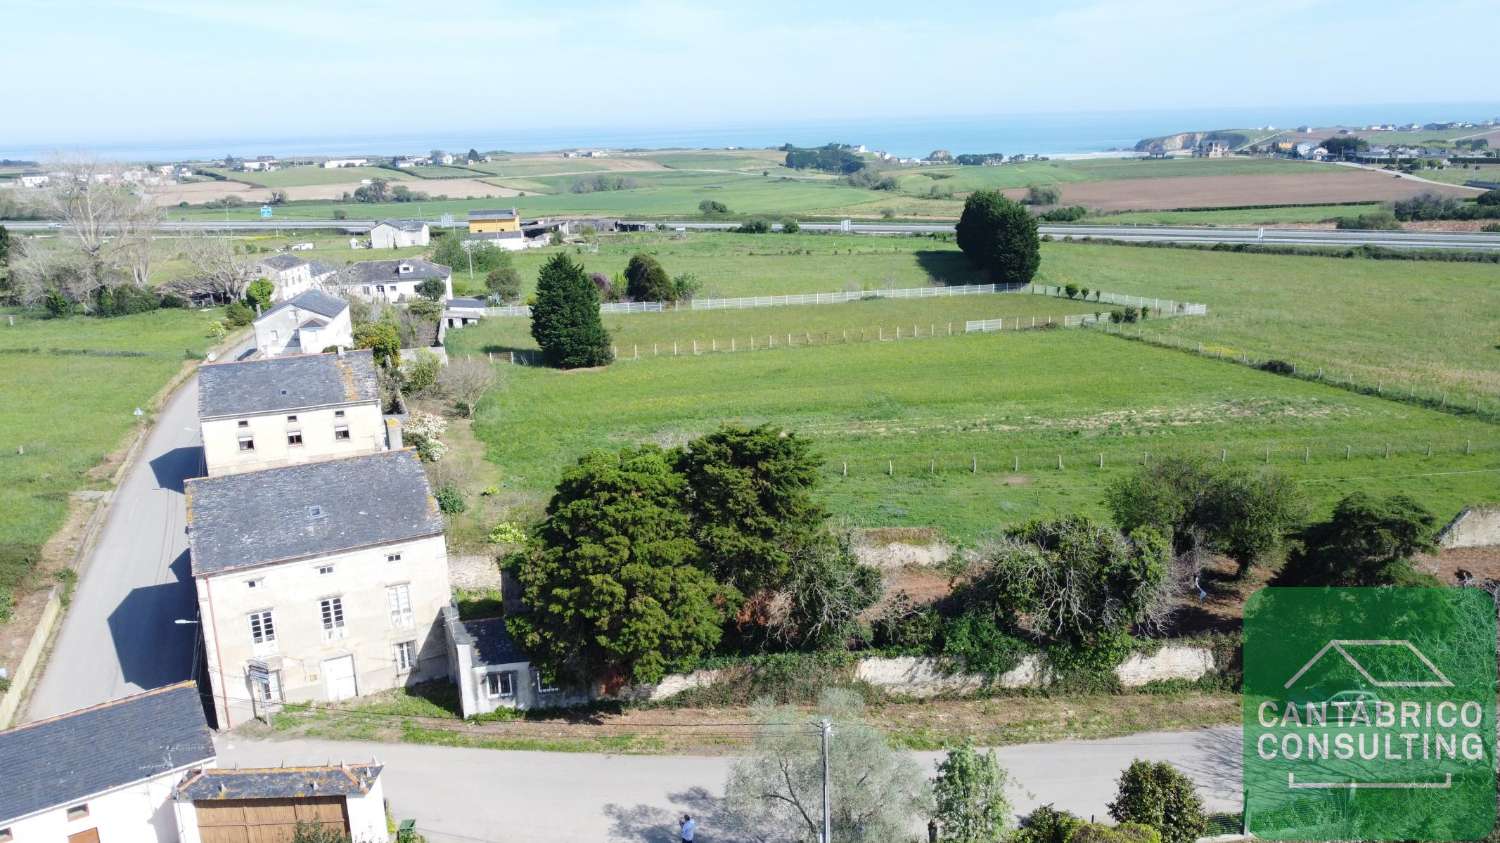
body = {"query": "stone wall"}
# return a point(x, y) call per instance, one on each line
point(1476, 526)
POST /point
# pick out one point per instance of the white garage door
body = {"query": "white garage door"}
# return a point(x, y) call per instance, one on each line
point(338, 678)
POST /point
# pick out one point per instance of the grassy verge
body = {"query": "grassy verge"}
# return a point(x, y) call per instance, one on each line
point(417, 716)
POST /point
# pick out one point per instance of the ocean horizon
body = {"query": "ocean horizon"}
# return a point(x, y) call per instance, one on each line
point(1041, 134)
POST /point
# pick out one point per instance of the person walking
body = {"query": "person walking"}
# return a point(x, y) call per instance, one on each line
point(689, 828)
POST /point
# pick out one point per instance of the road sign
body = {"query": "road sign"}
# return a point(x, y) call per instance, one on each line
point(258, 671)
point(446, 221)
point(846, 225)
point(265, 212)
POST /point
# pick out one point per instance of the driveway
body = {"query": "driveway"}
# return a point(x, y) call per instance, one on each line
point(464, 795)
point(118, 636)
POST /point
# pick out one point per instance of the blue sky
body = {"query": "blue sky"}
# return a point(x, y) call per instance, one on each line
point(158, 69)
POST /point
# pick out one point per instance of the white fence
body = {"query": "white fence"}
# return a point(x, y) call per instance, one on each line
point(743, 302)
point(1162, 307)
point(1021, 323)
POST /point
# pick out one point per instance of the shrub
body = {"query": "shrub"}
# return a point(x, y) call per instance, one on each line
point(1047, 825)
point(790, 227)
point(712, 208)
point(383, 338)
point(1277, 367)
point(1071, 213)
point(755, 226)
point(970, 796)
point(685, 287)
point(974, 643)
point(1427, 206)
point(1070, 290)
point(1038, 194)
point(238, 314)
point(423, 431)
point(421, 373)
point(1156, 795)
point(1492, 227)
point(1489, 197)
point(450, 500)
point(1374, 221)
point(504, 283)
point(647, 280)
point(433, 289)
point(1366, 542)
point(259, 293)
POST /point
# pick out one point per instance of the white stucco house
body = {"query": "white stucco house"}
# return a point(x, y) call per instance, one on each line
point(291, 275)
point(399, 234)
point(214, 805)
point(269, 412)
point(320, 581)
point(337, 163)
point(493, 672)
point(392, 280)
point(307, 323)
point(104, 773)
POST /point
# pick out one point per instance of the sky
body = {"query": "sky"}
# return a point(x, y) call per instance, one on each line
point(156, 69)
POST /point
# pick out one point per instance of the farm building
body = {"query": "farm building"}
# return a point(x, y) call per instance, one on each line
point(399, 234)
point(494, 222)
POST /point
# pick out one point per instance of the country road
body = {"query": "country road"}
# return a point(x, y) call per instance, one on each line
point(464, 795)
point(119, 635)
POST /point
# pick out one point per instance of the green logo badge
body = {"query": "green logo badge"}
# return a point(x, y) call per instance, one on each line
point(1370, 714)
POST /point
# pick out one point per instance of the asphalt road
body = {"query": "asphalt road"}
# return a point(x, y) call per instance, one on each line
point(1473, 241)
point(119, 636)
point(467, 795)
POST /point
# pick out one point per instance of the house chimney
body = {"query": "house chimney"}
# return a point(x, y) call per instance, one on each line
point(341, 351)
point(393, 433)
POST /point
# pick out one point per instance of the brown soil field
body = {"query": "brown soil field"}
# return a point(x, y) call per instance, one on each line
point(198, 192)
point(1234, 191)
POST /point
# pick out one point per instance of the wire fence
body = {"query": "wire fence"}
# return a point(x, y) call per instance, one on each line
point(1448, 401)
point(743, 302)
point(1444, 456)
point(1158, 306)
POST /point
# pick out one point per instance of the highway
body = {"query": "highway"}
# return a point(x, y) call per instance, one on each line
point(1472, 241)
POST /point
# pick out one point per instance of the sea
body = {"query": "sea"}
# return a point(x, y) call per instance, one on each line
point(1055, 134)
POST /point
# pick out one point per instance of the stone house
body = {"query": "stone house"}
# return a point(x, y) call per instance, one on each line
point(289, 273)
point(306, 323)
point(321, 581)
point(103, 773)
point(393, 280)
point(276, 411)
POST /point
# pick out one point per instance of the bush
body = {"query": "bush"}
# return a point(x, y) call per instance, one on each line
point(125, 300)
point(1427, 206)
point(433, 289)
point(974, 643)
point(999, 236)
point(383, 338)
point(1366, 542)
point(1489, 197)
point(1374, 221)
point(1071, 213)
point(647, 280)
point(755, 226)
point(238, 314)
point(1038, 194)
point(260, 293)
point(420, 374)
point(504, 283)
point(790, 227)
point(1155, 794)
point(712, 208)
point(1277, 367)
point(1047, 825)
point(450, 500)
point(1494, 226)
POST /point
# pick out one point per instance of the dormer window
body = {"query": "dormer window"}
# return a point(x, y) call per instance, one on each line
point(314, 511)
point(403, 269)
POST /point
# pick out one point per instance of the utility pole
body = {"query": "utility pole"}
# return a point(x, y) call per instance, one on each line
point(827, 730)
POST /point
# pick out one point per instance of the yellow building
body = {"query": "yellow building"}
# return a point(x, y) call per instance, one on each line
point(494, 222)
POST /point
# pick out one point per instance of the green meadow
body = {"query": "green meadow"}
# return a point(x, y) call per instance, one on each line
point(48, 453)
point(966, 433)
point(1280, 215)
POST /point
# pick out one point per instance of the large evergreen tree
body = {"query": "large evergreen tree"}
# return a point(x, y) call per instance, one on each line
point(999, 236)
point(565, 319)
point(609, 580)
point(647, 280)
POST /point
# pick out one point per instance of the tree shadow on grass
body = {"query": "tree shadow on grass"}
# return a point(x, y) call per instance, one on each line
point(949, 268)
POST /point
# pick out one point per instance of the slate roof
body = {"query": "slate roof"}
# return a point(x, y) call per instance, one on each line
point(492, 642)
point(63, 760)
point(277, 782)
point(282, 262)
point(503, 214)
point(315, 301)
point(379, 272)
point(277, 384)
point(319, 268)
point(314, 509)
point(465, 302)
point(496, 235)
point(404, 225)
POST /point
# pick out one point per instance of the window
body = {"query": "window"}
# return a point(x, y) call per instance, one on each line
point(6, 836)
point(393, 557)
point(399, 598)
point(243, 423)
point(406, 656)
point(338, 414)
point(332, 611)
point(500, 685)
point(543, 686)
point(291, 419)
point(262, 627)
point(247, 443)
point(78, 812)
point(325, 569)
point(315, 511)
point(255, 583)
point(294, 438)
point(341, 432)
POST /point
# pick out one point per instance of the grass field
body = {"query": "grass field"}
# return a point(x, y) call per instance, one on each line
point(722, 330)
point(65, 412)
point(293, 176)
point(1237, 216)
point(925, 411)
point(964, 179)
point(1408, 324)
point(1459, 175)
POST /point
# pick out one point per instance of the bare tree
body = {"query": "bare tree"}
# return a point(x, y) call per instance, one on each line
point(217, 270)
point(109, 220)
point(41, 267)
point(466, 381)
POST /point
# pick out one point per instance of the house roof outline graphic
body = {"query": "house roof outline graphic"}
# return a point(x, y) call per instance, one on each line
point(1342, 645)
